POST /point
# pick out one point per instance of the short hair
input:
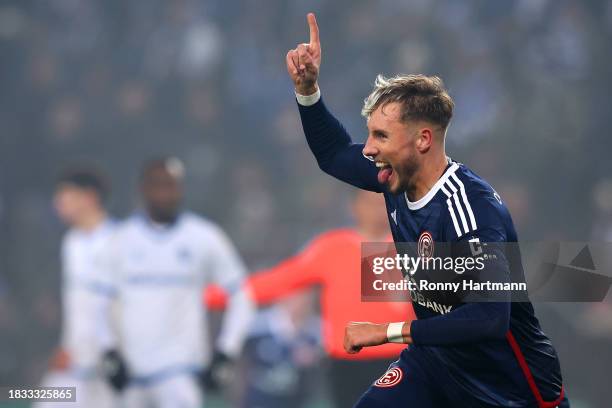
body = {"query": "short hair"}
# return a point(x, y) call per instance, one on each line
point(173, 165)
point(85, 178)
point(421, 97)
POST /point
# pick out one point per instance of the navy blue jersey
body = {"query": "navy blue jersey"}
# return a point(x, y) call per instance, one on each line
point(495, 352)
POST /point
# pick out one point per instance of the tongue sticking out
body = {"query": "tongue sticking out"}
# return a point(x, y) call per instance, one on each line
point(384, 174)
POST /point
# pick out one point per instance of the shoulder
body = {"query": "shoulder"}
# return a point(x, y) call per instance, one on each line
point(126, 226)
point(198, 224)
point(69, 238)
point(204, 230)
point(69, 241)
point(127, 232)
point(479, 192)
point(108, 229)
point(474, 205)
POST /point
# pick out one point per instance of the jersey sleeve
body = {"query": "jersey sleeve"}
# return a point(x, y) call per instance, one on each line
point(295, 273)
point(270, 285)
point(224, 266)
point(106, 282)
point(105, 288)
point(228, 271)
point(484, 234)
point(65, 275)
point(334, 150)
point(469, 323)
point(472, 210)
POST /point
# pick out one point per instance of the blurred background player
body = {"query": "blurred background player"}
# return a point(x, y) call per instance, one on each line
point(161, 259)
point(79, 197)
point(333, 261)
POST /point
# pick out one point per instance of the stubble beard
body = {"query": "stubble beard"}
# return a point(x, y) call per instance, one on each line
point(405, 177)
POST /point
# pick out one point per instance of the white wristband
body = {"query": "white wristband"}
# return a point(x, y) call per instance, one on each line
point(308, 100)
point(394, 332)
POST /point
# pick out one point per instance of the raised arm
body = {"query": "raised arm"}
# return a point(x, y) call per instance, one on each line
point(326, 137)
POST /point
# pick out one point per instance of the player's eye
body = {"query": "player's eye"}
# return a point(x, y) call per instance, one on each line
point(379, 135)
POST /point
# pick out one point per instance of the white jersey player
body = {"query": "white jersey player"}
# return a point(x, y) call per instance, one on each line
point(85, 334)
point(160, 260)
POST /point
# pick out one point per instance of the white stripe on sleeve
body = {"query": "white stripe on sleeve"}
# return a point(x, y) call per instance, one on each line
point(465, 201)
point(452, 211)
point(466, 228)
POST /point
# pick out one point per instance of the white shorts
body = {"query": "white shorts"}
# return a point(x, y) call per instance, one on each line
point(177, 391)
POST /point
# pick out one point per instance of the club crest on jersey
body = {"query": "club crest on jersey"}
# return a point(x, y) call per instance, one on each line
point(425, 246)
point(389, 379)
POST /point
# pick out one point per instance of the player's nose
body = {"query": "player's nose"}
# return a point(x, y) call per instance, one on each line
point(369, 149)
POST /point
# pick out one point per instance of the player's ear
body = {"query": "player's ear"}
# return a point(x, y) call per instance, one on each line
point(424, 140)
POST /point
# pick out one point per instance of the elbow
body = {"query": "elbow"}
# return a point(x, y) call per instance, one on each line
point(325, 166)
point(325, 163)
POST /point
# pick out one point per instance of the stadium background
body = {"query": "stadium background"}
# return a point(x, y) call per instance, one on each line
point(117, 82)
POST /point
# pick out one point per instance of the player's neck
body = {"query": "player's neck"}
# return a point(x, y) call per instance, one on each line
point(92, 220)
point(428, 175)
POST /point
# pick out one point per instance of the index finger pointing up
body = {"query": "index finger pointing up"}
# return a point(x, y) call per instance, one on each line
point(314, 30)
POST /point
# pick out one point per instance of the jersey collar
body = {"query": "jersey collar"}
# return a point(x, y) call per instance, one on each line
point(156, 227)
point(423, 201)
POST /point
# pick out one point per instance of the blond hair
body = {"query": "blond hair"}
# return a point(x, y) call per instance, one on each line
point(421, 97)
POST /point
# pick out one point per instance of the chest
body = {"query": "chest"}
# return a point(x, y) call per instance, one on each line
point(409, 225)
point(161, 254)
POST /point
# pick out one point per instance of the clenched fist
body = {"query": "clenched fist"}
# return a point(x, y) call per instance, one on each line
point(304, 61)
point(363, 334)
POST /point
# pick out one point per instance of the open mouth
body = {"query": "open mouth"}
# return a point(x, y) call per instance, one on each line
point(384, 172)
